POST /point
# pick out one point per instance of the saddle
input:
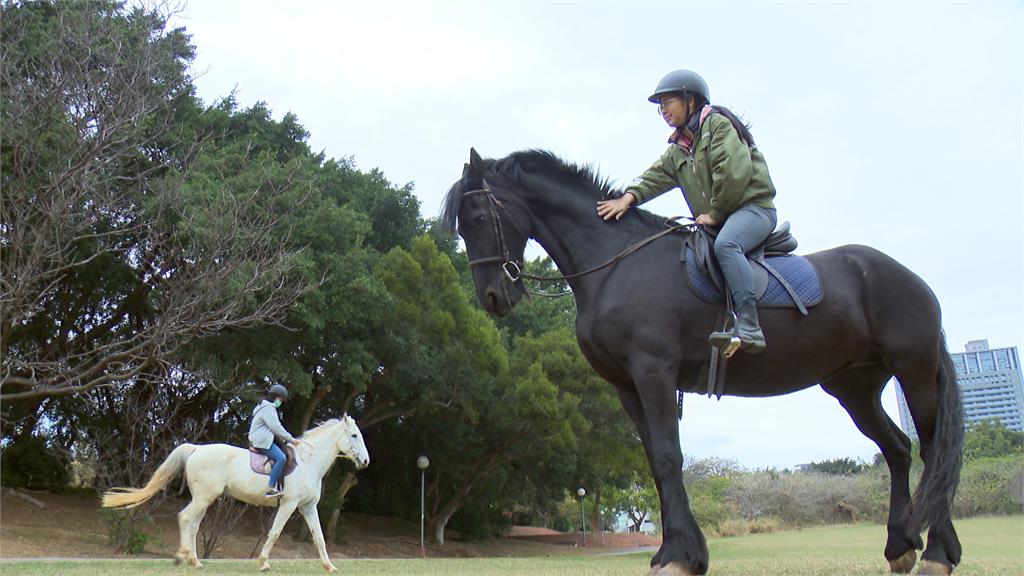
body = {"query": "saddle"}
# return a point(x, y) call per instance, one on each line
point(780, 279)
point(260, 464)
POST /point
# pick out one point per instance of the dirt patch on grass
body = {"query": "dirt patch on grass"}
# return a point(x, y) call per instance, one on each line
point(70, 526)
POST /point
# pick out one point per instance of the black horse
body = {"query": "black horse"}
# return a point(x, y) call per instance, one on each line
point(645, 332)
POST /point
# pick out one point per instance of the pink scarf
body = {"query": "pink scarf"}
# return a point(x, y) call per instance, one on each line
point(683, 137)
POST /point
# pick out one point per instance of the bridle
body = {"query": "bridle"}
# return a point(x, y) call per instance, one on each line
point(513, 269)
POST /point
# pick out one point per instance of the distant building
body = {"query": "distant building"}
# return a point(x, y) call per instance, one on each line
point(990, 384)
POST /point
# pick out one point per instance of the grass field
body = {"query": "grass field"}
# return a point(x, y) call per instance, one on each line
point(992, 546)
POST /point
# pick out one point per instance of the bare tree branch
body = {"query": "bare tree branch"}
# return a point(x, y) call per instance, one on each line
point(106, 267)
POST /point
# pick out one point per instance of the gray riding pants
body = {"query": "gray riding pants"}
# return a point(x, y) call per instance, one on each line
point(743, 231)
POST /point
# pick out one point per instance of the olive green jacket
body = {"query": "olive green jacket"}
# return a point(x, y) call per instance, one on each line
point(719, 176)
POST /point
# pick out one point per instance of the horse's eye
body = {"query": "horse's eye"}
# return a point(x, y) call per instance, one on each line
point(479, 219)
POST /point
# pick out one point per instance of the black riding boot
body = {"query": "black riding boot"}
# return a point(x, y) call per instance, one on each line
point(747, 329)
point(751, 336)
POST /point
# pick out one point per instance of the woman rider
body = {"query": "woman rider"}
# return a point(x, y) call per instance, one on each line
point(265, 427)
point(725, 181)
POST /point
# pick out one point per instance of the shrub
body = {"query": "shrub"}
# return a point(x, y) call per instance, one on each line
point(741, 527)
point(30, 463)
point(808, 499)
point(124, 529)
point(733, 527)
point(708, 501)
point(988, 486)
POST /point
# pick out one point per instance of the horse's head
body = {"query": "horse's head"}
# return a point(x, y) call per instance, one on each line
point(495, 229)
point(350, 443)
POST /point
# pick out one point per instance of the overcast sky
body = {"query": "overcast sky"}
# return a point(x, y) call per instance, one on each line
point(897, 125)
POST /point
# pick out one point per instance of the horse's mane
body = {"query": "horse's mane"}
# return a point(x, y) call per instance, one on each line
point(321, 428)
point(515, 167)
point(586, 177)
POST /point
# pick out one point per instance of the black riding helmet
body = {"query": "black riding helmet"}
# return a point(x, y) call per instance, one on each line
point(681, 81)
point(279, 391)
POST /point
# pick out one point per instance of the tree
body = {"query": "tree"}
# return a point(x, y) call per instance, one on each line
point(609, 454)
point(836, 467)
point(115, 253)
point(989, 438)
point(637, 500)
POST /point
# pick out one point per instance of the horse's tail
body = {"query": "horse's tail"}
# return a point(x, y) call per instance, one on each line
point(169, 470)
point(944, 454)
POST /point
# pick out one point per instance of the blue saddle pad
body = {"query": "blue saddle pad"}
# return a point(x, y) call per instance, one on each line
point(797, 270)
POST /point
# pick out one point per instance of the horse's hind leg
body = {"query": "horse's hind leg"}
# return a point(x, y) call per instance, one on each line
point(859, 391)
point(929, 404)
point(284, 512)
point(188, 526)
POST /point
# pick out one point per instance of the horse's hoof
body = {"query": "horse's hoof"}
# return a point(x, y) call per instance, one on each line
point(904, 564)
point(330, 568)
point(929, 568)
point(675, 569)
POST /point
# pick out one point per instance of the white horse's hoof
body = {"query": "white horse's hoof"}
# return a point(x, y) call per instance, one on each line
point(264, 565)
point(330, 568)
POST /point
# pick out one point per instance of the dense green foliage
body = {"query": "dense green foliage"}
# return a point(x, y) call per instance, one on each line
point(166, 260)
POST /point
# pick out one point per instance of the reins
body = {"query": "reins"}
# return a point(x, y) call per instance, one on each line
point(514, 270)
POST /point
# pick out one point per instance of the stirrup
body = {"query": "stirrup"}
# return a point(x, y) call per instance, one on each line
point(728, 342)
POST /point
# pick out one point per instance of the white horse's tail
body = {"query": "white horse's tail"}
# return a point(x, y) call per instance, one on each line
point(132, 497)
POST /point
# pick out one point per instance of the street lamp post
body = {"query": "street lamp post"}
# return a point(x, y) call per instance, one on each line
point(422, 462)
point(583, 519)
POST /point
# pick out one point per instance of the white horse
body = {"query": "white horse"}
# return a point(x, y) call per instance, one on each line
point(215, 469)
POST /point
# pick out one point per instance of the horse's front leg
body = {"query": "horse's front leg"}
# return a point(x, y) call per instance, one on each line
point(284, 511)
point(312, 517)
point(684, 550)
point(653, 411)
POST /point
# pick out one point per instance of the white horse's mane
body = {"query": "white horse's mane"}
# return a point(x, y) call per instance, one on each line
point(321, 428)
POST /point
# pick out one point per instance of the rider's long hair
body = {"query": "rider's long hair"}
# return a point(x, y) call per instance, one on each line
point(742, 127)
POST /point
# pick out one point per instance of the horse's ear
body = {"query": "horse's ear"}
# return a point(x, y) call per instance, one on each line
point(476, 164)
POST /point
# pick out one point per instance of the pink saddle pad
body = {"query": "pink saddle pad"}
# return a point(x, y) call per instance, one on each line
point(260, 464)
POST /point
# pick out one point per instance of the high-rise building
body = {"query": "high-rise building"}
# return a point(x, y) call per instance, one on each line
point(991, 387)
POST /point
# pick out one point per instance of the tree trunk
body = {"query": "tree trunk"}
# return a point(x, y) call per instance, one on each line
point(440, 520)
point(481, 469)
point(595, 515)
point(318, 396)
point(347, 484)
point(638, 520)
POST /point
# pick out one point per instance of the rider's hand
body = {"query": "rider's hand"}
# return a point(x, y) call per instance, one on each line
point(609, 209)
point(706, 220)
point(296, 442)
